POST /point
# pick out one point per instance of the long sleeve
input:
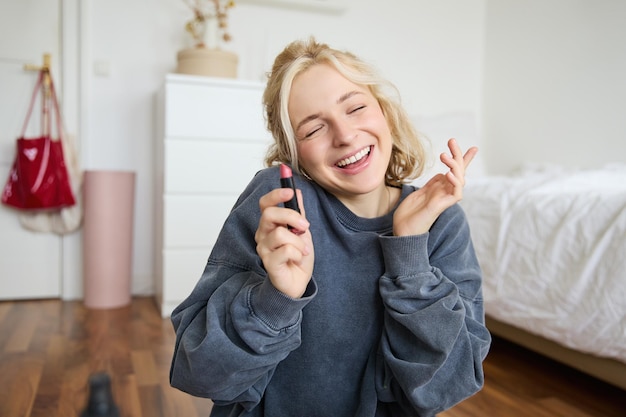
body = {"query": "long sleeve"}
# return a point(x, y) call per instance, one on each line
point(235, 327)
point(396, 321)
point(434, 337)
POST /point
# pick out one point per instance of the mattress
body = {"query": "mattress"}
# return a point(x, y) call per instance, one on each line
point(552, 246)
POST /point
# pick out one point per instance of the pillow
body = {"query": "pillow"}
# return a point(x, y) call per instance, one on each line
point(436, 131)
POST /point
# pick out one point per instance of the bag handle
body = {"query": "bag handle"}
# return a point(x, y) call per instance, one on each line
point(46, 120)
point(46, 117)
point(55, 103)
point(32, 103)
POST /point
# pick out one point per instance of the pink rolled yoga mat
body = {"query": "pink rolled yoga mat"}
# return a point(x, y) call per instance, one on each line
point(109, 198)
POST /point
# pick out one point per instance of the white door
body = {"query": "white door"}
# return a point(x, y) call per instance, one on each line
point(30, 263)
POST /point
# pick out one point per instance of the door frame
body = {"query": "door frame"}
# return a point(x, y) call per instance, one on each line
point(75, 38)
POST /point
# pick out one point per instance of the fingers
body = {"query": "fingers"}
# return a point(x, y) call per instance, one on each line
point(300, 202)
point(417, 213)
point(457, 161)
point(275, 197)
point(469, 156)
point(281, 245)
point(272, 232)
point(275, 214)
point(287, 257)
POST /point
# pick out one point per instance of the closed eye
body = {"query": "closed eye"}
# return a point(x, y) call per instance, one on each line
point(354, 110)
point(313, 132)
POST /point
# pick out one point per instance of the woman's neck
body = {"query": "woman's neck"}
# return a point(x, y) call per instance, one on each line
point(375, 204)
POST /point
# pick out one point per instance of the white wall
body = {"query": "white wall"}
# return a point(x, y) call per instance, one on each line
point(432, 50)
point(545, 78)
point(554, 83)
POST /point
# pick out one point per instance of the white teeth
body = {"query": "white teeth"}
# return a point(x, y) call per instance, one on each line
point(357, 157)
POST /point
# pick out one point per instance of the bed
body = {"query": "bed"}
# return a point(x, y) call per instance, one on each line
point(552, 245)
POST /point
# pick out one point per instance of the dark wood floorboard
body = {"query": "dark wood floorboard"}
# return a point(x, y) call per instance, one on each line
point(49, 348)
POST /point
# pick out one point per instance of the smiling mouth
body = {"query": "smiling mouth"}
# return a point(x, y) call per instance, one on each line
point(354, 158)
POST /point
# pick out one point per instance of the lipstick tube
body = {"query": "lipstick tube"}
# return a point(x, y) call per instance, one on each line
point(286, 181)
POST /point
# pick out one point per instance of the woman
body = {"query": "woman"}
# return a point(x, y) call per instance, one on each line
point(374, 306)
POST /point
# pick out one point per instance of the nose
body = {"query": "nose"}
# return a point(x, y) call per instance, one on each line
point(344, 132)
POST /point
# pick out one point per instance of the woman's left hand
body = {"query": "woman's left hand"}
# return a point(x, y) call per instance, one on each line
point(417, 213)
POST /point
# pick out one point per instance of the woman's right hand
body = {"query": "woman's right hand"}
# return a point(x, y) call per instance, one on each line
point(287, 257)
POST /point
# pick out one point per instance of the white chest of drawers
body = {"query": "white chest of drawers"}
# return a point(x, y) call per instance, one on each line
point(211, 140)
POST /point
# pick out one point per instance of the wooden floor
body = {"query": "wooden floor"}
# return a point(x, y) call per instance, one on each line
point(49, 348)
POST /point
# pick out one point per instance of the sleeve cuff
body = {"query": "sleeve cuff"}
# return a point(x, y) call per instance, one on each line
point(406, 255)
point(275, 309)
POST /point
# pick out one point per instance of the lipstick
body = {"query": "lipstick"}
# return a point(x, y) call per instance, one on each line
point(286, 181)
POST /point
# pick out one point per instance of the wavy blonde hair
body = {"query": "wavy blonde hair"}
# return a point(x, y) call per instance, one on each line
point(407, 154)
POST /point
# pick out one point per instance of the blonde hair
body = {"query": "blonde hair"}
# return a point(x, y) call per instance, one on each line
point(407, 155)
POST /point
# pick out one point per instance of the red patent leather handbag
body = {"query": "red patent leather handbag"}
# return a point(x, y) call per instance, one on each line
point(38, 179)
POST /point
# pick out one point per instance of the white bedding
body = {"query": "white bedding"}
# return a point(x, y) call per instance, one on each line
point(552, 246)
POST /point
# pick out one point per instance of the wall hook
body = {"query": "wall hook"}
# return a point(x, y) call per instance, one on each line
point(45, 68)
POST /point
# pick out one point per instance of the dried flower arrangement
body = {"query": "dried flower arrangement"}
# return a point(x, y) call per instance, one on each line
point(206, 11)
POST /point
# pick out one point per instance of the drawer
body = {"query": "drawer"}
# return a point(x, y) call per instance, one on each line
point(221, 111)
point(201, 166)
point(192, 221)
point(181, 271)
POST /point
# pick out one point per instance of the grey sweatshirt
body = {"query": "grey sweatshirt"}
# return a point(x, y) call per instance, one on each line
point(388, 326)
